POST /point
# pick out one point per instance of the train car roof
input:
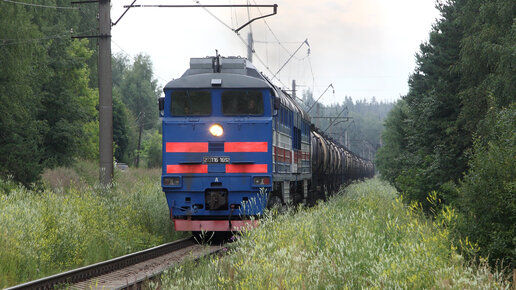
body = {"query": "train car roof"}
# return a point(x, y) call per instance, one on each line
point(290, 103)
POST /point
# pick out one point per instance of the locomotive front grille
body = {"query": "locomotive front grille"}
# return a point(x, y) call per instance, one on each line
point(215, 146)
point(216, 199)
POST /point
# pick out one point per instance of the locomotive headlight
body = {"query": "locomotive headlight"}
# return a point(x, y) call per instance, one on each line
point(261, 180)
point(216, 130)
point(168, 181)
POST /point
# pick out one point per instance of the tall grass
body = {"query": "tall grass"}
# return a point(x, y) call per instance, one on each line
point(78, 224)
point(363, 238)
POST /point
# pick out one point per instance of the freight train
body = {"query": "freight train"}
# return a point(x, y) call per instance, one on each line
point(235, 144)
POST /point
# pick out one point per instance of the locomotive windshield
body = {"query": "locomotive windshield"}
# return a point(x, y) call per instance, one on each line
point(242, 102)
point(190, 103)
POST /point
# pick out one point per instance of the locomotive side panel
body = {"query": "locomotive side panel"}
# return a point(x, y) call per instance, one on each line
point(291, 158)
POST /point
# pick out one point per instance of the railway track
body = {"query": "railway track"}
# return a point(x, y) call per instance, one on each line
point(127, 271)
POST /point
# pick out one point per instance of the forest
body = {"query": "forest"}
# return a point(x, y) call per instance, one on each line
point(355, 124)
point(49, 94)
point(453, 136)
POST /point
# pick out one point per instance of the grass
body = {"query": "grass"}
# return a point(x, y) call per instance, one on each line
point(365, 237)
point(74, 222)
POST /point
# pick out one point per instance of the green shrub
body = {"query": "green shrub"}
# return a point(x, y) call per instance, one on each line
point(7, 185)
point(488, 192)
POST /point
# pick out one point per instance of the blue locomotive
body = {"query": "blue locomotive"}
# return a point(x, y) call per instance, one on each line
point(233, 144)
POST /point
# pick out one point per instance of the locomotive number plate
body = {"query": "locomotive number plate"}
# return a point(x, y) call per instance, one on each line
point(215, 159)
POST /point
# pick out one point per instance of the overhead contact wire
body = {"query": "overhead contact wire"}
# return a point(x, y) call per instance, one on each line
point(40, 6)
point(213, 15)
point(57, 36)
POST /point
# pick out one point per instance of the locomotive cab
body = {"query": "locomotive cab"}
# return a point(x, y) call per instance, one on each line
point(217, 127)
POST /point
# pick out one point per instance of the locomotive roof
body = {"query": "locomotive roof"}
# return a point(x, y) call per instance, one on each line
point(229, 72)
point(232, 72)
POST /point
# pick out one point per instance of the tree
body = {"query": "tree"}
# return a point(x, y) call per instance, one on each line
point(20, 130)
point(391, 158)
point(140, 91)
point(68, 105)
point(487, 59)
point(152, 147)
point(119, 67)
point(124, 131)
point(487, 195)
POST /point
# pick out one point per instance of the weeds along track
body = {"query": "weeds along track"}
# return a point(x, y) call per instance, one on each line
point(128, 271)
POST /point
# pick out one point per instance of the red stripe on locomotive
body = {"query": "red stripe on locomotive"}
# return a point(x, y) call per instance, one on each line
point(245, 147)
point(246, 168)
point(172, 147)
point(188, 168)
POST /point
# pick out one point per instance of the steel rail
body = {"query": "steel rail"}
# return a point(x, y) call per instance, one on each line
point(91, 271)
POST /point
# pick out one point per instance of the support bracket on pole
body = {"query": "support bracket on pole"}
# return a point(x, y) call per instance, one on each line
point(274, 12)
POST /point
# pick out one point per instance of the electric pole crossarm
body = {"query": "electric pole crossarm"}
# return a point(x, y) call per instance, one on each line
point(89, 36)
point(274, 12)
point(200, 5)
point(84, 2)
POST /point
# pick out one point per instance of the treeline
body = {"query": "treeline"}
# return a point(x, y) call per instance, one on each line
point(355, 124)
point(135, 111)
point(454, 133)
point(49, 92)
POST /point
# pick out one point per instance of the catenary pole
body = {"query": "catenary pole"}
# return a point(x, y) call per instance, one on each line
point(294, 89)
point(105, 95)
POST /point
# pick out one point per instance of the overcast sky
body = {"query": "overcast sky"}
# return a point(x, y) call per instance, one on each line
point(365, 48)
